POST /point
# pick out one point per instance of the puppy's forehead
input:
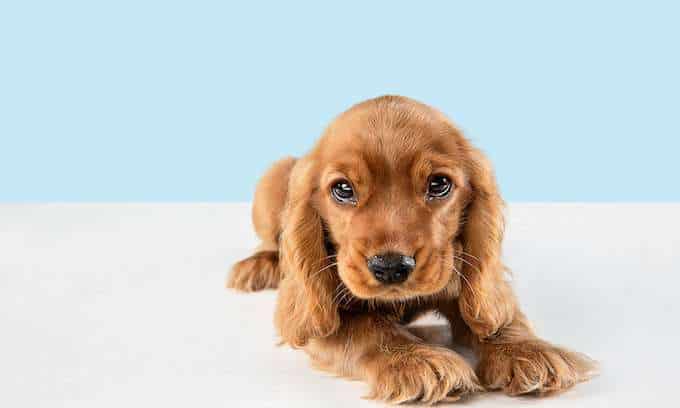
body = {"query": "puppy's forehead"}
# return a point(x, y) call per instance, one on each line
point(391, 129)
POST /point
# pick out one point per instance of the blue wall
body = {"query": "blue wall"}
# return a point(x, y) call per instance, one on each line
point(190, 101)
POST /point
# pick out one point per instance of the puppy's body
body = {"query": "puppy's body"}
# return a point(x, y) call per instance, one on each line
point(393, 214)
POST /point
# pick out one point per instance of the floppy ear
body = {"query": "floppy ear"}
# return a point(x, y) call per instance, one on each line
point(305, 307)
point(487, 303)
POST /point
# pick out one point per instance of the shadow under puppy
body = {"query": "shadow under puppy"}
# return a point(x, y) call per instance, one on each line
point(393, 214)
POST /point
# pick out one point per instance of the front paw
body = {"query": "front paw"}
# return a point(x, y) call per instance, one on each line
point(419, 373)
point(532, 366)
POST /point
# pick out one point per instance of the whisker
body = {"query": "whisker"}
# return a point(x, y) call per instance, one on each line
point(465, 280)
point(346, 297)
point(349, 299)
point(336, 298)
point(470, 255)
point(468, 263)
point(324, 268)
point(338, 291)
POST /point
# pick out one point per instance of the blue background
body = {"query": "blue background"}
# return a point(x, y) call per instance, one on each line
point(190, 101)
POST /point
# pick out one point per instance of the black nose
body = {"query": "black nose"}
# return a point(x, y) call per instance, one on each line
point(391, 267)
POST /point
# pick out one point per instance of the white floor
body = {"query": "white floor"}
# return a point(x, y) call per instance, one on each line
point(119, 305)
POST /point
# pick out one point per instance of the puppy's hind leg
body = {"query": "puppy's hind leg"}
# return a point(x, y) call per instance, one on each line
point(257, 272)
point(261, 270)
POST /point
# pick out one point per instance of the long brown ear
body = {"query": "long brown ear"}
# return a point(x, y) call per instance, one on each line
point(487, 303)
point(305, 307)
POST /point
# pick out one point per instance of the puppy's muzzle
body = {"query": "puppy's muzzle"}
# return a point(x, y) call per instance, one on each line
point(391, 267)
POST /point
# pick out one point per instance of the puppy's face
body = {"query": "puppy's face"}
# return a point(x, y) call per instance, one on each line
point(392, 190)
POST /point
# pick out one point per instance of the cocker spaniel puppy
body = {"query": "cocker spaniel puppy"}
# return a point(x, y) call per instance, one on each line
point(393, 214)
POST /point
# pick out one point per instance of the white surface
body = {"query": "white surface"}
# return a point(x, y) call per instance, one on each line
point(119, 305)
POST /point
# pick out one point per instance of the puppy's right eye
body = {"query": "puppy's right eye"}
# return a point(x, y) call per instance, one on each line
point(343, 192)
point(438, 187)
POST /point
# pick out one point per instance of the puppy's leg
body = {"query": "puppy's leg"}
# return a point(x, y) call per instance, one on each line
point(518, 362)
point(257, 272)
point(398, 366)
point(261, 270)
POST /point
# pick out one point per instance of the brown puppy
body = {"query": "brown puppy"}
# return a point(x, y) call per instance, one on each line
point(392, 214)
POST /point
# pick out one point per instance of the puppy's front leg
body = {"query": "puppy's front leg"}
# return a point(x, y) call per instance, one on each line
point(514, 359)
point(518, 362)
point(398, 366)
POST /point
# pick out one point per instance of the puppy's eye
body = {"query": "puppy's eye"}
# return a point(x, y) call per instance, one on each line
point(438, 186)
point(343, 192)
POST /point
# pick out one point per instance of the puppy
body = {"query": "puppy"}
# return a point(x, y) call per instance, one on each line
point(393, 214)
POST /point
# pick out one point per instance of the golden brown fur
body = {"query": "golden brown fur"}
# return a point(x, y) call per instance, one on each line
point(315, 249)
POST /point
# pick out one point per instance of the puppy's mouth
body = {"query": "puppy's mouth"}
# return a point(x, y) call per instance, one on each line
point(393, 278)
point(396, 293)
point(432, 272)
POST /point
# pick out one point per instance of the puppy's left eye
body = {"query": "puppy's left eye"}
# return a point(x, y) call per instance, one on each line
point(438, 186)
point(343, 192)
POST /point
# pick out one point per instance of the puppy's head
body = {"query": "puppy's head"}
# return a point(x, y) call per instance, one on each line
point(391, 196)
point(392, 189)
